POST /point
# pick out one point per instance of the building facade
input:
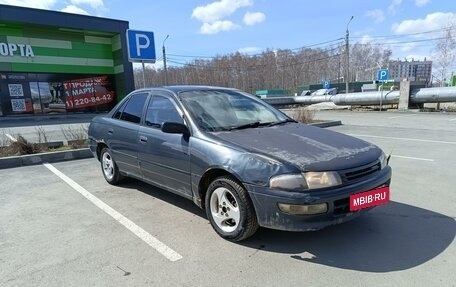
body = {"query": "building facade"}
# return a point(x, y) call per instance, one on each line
point(415, 71)
point(54, 62)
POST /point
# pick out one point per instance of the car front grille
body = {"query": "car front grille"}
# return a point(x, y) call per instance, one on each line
point(360, 172)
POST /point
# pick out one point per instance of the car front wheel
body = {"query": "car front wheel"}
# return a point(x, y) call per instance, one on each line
point(109, 167)
point(230, 210)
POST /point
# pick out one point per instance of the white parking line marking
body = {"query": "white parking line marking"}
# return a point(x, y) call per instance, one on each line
point(414, 158)
point(11, 137)
point(130, 225)
point(403, 116)
point(404, 139)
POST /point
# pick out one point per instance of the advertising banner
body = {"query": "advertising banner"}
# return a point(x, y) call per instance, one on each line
point(87, 92)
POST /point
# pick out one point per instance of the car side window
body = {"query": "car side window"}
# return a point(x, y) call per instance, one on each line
point(161, 109)
point(134, 108)
point(119, 110)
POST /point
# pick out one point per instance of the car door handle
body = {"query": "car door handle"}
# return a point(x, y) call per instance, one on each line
point(110, 131)
point(143, 139)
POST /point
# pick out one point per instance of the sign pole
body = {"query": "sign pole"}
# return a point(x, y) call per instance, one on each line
point(141, 49)
point(143, 74)
point(382, 76)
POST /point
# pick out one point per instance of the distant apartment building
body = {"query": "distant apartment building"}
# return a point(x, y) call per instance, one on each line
point(420, 71)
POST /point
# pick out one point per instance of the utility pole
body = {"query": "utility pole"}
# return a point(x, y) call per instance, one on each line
point(164, 61)
point(338, 71)
point(347, 57)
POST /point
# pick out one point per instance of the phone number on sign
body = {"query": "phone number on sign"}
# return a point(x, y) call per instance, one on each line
point(87, 101)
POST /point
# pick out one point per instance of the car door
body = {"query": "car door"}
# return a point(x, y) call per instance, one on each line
point(163, 157)
point(122, 135)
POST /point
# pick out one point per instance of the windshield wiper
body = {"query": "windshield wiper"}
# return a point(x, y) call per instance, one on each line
point(259, 124)
point(245, 126)
point(281, 122)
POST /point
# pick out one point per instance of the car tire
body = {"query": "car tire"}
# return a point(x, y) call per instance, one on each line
point(109, 167)
point(229, 210)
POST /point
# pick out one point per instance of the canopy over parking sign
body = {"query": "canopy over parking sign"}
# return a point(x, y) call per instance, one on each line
point(141, 46)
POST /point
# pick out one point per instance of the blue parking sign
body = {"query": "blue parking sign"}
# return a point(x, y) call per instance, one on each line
point(326, 84)
point(141, 46)
point(382, 75)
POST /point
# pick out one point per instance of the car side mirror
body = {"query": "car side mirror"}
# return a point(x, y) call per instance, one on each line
point(175, 128)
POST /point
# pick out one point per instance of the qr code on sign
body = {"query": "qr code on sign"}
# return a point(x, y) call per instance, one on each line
point(18, 105)
point(16, 90)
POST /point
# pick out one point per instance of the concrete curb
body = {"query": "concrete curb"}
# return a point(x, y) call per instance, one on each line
point(39, 158)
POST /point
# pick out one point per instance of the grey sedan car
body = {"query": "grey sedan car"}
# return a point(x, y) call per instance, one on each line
point(246, 163)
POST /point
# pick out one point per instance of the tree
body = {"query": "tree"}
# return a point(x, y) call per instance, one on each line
point(366, 59)
point(272, 69)
point(445, 52)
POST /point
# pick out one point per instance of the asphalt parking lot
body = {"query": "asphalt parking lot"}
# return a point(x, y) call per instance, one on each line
point(63, 225)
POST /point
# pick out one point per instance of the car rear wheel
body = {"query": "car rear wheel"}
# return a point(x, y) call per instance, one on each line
point(230, 210)
point(109, 167)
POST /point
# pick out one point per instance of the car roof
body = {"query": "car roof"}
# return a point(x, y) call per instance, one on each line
point(186, 88)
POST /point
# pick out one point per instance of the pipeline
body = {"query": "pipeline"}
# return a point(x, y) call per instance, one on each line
point(434, 95)
point(424, 95)
point(304, 100)
point(367, 98)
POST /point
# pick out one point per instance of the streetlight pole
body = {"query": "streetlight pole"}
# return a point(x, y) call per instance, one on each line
point(347, 57)
point(164, 61)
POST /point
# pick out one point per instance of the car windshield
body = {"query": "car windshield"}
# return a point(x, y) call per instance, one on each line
point(221, 110)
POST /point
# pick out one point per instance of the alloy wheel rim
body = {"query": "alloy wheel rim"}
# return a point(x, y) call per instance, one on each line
point(225, 209)
point(108, 166)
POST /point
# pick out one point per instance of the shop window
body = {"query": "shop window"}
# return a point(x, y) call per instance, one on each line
point(22, 93)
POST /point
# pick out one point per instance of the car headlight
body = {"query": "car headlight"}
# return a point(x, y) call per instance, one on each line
point(306, 180)
point(322, 179)
point(288, 182)
point(383, 160)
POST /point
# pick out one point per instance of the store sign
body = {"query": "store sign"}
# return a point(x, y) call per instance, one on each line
point(11, 49)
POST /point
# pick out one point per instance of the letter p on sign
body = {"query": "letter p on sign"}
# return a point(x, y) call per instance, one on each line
point(382, 75)
point(141, 46)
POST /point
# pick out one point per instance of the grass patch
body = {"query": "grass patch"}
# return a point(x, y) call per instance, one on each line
point(18, 145)
point(303, 115)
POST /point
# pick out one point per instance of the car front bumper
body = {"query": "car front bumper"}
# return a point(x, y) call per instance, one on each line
point(266, 201)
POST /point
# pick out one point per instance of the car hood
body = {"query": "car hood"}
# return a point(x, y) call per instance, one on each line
point(307, 147)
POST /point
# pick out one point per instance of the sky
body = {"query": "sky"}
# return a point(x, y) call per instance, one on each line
point(208, 28)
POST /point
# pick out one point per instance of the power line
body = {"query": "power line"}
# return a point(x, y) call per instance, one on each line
point(402, 42)
point(322, 43)
point(227, 68)
point(338, 41)
point(409, 34)
point(262, 53)
point(190, 56)
point(209, 63)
